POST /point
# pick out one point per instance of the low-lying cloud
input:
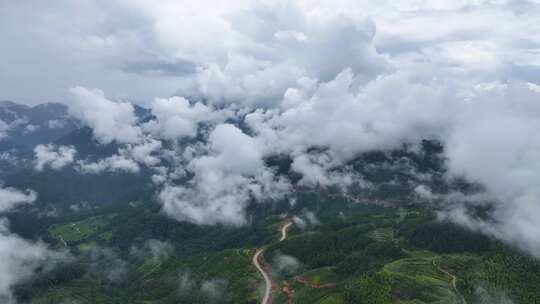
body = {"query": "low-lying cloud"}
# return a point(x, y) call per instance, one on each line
point(54, 157)
point(11, 197)
point(19, 257)
point(110, 121)
point(224, 181)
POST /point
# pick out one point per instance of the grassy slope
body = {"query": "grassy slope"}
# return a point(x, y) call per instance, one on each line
point(75, 232)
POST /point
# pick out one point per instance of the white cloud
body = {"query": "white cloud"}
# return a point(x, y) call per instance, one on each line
point(11, 197)
point(19, 258)
point(494, 143)
point(301, 223)
point(223, 181)
point(56, 124)
point(312, 218)
point(30, 129)
point(159, 249)
point(4, 129)
point(128, 159)
point(115, 163)
point(10, 125)
point(55, 157)
point(283, 264)
point(141, 49)
point(382, 114)
point(144, 152)
point(316, 170)
point(234, 152)
point(280, 43)
point(176, 118)
point(111, 121)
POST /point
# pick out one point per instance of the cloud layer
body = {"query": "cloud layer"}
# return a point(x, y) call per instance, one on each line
point(319, 81)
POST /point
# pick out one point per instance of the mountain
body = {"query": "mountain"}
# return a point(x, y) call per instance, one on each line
point(23, 127)
point(51, 124)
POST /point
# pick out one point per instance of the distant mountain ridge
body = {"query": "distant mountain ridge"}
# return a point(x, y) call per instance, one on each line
point(23, 127)
point(52, 124)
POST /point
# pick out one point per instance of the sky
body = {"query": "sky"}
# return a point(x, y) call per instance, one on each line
point(139, 50)
point(346, 76)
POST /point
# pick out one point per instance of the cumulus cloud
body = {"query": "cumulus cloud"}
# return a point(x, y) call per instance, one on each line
point(315, 169)
point(56, 124)
point(144, 152)
point(8, 126)
point(54, 157)
point(129, 158)
point(224, 181)
point(19, 258)
point(115, 163)
point(493, 143)
point(144, 52)
point(176, 118)
point(30, 129)
point(380, 115)
point(281, 44)
point(110, 121)
point(11, 197)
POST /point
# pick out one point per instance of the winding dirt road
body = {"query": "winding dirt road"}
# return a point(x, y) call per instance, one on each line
point(256, 262)
point(454, 282)
point(267, 280)
point(284, 231)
